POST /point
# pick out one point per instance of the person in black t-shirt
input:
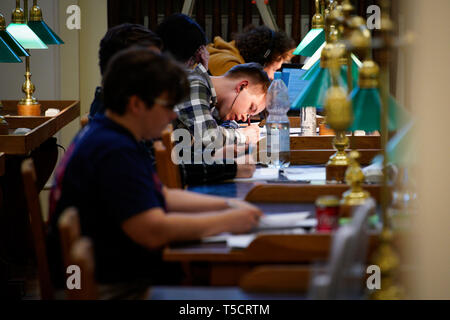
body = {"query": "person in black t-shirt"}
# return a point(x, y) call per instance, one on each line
point(107, 176)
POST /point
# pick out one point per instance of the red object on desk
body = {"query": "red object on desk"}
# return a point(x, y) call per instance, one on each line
point(327, 213)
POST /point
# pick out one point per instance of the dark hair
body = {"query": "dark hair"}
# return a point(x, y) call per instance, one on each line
point(252, 71)
point(181, 36)
point(141, 72)
point(263, 45)
point(123, 37)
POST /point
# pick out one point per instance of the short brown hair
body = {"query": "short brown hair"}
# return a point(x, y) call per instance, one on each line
point(253, 71)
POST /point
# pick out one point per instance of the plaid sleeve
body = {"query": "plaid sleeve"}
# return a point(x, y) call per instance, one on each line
point(195, 114)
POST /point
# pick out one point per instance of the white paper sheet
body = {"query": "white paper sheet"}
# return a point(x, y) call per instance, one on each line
point(298, 174)
point(243, 241)
point(292, 131)
point(240, 241)
point(282, 220)
point(261, 174)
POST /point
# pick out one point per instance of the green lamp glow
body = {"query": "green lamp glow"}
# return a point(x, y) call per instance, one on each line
point(40, 28)
point(316, 57)
point(21, 32)
point(315, 37)
point(310, 43)
point(7, 54)
point(25, 36)
point(9, 39)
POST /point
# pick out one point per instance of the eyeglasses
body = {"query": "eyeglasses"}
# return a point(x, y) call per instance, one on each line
point(164, 103)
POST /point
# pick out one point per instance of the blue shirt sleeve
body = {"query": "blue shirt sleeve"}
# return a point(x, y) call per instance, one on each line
point(128, 185)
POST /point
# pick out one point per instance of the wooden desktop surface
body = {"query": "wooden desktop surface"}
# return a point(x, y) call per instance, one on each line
point(219, 265)
point(42, 127)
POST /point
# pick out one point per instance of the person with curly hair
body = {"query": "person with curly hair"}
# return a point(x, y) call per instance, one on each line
point(255, 44)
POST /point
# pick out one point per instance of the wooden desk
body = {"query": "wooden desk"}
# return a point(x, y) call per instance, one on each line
point(312, 157)
point(317, 150)
point(218, 265)
point(326, 142)
point(15, 239)
point(42, 127)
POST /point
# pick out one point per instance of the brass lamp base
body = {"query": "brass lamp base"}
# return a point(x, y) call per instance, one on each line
point(351, 201)
point(339, 162)
point(356, 196)
point(29, 110)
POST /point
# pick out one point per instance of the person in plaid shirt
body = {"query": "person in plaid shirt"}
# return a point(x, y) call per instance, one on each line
point(235, 96)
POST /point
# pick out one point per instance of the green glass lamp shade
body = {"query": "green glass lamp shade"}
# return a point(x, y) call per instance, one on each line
point(310, 43)
point(399, 149)
point(314, 93)
point(13, 44)
point(312, 71)
point(25, 36)
point(7, 54)
point(367, 111)
point(43, 31)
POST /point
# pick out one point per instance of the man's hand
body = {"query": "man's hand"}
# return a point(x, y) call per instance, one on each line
point(252, 134)
point(245, 170)
point(243, 220)
point(238, 204)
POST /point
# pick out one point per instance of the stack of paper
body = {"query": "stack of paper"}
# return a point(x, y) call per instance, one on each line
point(302, 174)
point(262, 174)
point(282, 221)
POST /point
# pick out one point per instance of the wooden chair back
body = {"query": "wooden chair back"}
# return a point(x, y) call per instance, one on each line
point(37, 228)
point(69, 232)
point(168, 171)
point(82, 255)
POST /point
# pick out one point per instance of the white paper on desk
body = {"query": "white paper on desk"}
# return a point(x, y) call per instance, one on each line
point(221, 238)
point(299, 174)
point(282, 220)
point(262, 174)
point(240, 241)
point(292, 131)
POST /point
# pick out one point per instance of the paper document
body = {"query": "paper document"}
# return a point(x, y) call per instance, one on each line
point(282, 220)
point(240, 241)
point(262, 174)
point(292, 132)
point(298, 174)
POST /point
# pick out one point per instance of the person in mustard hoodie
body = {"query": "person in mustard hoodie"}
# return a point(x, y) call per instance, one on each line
point(255, 44)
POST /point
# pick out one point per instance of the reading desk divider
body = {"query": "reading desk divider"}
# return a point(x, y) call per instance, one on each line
point(313, 150)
